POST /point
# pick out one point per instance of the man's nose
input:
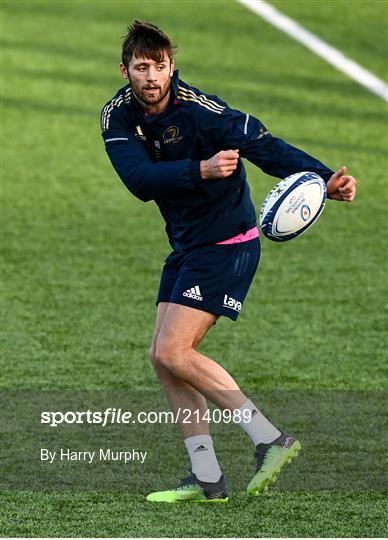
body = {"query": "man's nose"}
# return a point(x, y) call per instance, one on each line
point(151, 75)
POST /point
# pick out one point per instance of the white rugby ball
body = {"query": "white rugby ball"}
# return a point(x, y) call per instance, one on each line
point(292, 206)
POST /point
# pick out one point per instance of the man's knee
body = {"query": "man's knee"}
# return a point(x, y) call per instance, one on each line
point(171, 356)
point(164, 356)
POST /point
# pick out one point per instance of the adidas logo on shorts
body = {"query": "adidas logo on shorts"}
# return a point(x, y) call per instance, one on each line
point(193, 293)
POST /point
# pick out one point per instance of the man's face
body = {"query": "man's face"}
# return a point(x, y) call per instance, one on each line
point(150, 80)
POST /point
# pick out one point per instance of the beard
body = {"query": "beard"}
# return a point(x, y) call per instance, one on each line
point(154, 98)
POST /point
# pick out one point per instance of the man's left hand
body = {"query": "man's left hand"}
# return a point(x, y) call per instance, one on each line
point(341, 186)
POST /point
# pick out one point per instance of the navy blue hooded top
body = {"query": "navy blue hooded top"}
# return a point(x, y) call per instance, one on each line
point(158, 158)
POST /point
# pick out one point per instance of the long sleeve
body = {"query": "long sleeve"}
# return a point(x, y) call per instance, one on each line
point(143, 178)
point(274, 156)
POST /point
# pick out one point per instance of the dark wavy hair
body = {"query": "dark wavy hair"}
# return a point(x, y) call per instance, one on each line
point(144, 39)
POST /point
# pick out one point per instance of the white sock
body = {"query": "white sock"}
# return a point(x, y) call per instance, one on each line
point(258, 428)
point(204, 462)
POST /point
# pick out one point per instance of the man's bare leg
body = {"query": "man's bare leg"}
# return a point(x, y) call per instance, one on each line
point(195, 429)
point(180, 394)
point(179, 332)
point(175, 357)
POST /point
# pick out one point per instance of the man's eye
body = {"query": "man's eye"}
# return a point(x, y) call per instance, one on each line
point(160, 68)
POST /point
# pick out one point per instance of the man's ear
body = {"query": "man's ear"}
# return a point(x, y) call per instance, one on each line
point(123, 71)
point(172, 67)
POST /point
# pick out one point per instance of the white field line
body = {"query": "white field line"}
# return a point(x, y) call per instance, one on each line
point(332, 55)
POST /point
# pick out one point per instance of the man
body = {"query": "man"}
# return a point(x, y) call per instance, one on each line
point(171, 143)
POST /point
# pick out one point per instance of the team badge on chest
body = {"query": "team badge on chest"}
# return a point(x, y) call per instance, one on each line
point(171, 135)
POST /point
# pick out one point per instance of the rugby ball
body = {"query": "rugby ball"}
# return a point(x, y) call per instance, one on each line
point(292, 206)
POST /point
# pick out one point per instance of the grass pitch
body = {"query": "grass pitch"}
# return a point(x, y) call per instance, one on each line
point(80, 277)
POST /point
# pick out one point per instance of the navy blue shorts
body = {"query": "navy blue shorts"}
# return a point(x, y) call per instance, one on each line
point(214, 278)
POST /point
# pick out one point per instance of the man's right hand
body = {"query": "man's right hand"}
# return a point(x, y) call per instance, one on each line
point(221, 165)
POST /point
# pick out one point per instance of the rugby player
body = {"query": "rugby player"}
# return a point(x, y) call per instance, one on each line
point(182, 148)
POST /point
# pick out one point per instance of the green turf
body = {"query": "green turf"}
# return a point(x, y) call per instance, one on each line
point(358, 29)
point(80, 278)
point(279, 514)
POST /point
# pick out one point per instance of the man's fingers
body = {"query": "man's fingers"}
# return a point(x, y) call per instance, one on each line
point(350, 181)
point(348, 190)
point(342, 186)
point(228, 159)
point(229, 154)
point(228, 163)
point(341, 171)
point(348, 184)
